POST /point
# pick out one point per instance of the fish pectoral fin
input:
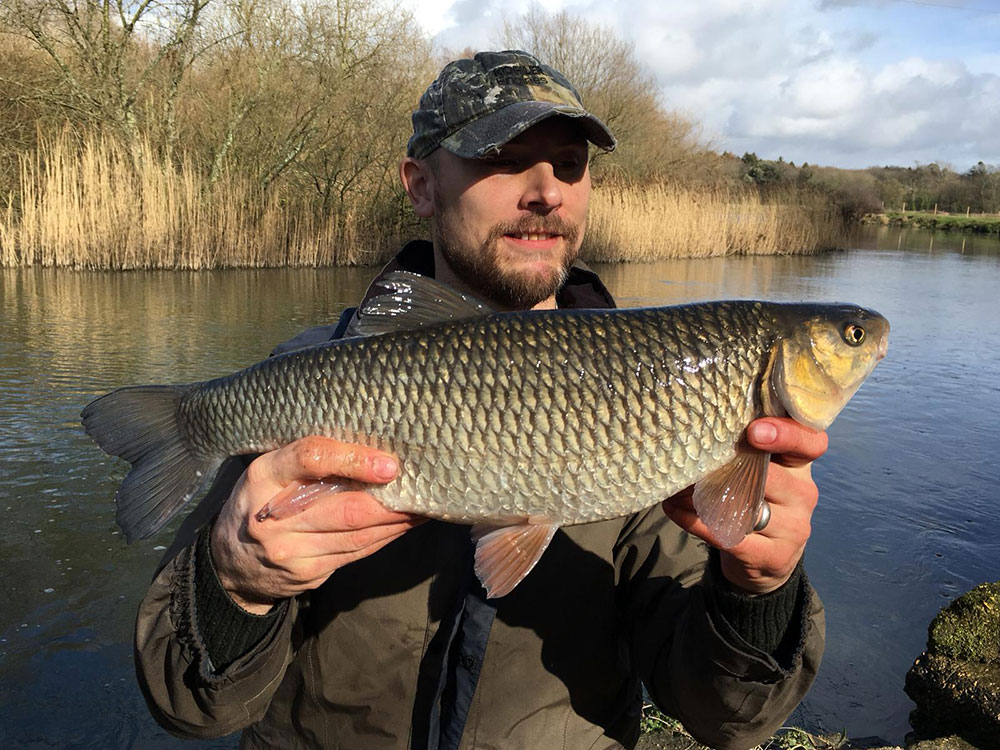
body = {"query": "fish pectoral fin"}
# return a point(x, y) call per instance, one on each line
point(729, 499)
point(506, 554)
point(412, 301)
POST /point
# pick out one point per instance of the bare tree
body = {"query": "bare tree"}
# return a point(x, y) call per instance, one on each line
point(317, 94)
point(105, 51)
point(613, 85)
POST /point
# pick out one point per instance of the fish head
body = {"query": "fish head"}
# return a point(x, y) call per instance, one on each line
point(823, 358)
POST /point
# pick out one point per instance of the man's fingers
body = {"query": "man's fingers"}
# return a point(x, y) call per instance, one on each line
point(295, 574)
point(346, 511)
point(297, 550)
point(316, 457)
point(791, 443)
point(792, 487)
point(316, 570)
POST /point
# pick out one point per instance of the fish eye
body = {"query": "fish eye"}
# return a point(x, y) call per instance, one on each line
point(854, 334)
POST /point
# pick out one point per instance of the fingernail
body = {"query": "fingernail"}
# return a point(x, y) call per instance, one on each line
point(763, 432)
point(385, 467)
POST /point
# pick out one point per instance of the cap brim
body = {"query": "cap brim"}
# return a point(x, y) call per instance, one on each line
point(489, 133)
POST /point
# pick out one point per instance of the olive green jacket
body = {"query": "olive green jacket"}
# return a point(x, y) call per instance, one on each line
point(610, 607)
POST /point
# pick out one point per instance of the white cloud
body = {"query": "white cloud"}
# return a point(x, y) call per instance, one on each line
point(826, 89)
point(837, 82)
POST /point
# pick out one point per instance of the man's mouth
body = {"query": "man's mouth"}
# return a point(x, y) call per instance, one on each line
point(532, 236)
point(536, 236)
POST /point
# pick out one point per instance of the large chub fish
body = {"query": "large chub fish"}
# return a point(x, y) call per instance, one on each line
point(517, 423)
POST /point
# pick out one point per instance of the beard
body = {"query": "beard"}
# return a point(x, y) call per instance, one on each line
point(484, 270)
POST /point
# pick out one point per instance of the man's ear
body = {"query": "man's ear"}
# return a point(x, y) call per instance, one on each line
point(418, 182)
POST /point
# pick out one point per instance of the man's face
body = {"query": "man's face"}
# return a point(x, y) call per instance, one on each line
point(510, 225)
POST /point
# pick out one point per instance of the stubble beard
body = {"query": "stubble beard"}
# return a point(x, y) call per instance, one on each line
point(483, 269)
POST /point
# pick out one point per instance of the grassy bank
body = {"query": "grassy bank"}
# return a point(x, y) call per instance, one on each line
point(94, 204)
point(660, 732)
point(976, 223)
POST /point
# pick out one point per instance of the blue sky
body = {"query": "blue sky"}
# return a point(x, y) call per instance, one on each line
point(848, 83)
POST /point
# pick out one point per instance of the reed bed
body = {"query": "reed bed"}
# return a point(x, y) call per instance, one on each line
point(93, 203)
point(657, 222)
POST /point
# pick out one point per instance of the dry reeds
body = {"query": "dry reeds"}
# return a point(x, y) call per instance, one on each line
point(93, 203)
point(656, 222)
point(97, 204)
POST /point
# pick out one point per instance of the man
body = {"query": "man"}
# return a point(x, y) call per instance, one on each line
point(353, 626)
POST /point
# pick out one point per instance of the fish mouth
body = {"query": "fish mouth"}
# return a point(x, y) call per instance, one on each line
point(883, 349)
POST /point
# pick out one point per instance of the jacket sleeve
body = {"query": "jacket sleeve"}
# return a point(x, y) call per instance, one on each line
point(730, 667)
point(187, 693)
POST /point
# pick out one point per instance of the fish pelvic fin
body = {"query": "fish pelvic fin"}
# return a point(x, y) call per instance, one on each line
point(298, 496)
point(140, 425)
point(506, 554)
point(412, 301)
point(729, 500)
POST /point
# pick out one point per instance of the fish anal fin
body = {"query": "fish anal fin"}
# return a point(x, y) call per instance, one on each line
point(729, 499)
point(506, 554)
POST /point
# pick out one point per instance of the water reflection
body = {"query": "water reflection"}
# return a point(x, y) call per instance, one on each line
point(906, 520)
point(913, 239)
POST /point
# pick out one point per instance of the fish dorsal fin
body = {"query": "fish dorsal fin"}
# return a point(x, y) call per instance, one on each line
point(412, 301)
point(506, 554)
point(729, 500)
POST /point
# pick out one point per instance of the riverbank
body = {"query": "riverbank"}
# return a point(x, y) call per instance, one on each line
point(975, 224)
point(953, 684)
point(660, 732)
point(798, 739)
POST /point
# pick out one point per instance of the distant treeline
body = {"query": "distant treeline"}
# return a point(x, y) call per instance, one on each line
point(878, 189)
point(190, 133)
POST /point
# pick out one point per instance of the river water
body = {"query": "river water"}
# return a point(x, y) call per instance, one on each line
point(906, 521)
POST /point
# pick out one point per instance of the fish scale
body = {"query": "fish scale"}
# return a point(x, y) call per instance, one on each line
point(512, 440)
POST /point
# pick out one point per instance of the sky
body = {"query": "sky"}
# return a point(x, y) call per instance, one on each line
point(845, 83)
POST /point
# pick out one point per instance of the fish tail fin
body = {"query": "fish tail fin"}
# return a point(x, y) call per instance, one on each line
point(140, 424)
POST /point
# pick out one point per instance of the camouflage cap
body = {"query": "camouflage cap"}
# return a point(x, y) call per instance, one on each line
point(477, 105)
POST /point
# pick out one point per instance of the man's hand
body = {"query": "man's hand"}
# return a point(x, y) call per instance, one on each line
point(765, 559)
point(261, 562)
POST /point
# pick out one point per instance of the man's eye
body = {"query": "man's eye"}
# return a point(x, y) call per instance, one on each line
point(571, 168)
point(501, 162)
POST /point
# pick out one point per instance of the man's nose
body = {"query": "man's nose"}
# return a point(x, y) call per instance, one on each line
point(542, 189)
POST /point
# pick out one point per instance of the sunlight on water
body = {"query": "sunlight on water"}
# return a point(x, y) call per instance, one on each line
point(908, 489)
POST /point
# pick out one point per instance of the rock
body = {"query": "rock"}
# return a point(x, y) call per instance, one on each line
point(943, 743)
point(969, 627)
point(788, 738)
point(956, 682)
